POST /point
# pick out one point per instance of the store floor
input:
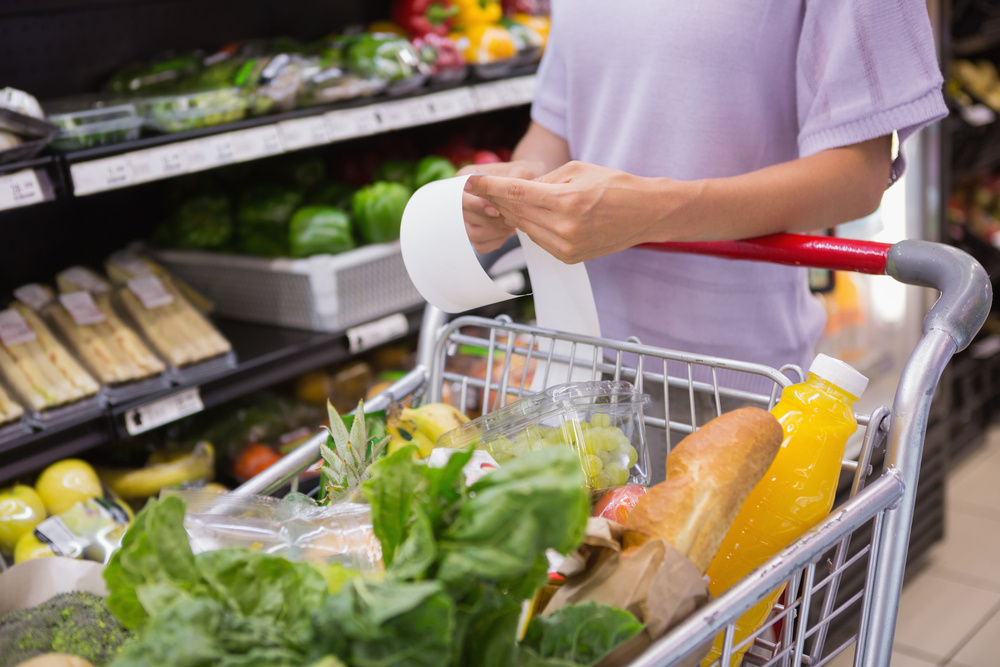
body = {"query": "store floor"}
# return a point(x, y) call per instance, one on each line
point(949, 612)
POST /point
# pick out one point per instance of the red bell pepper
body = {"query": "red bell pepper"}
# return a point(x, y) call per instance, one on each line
point(420, 17)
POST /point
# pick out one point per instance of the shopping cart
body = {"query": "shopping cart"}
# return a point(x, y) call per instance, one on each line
point(824, 608)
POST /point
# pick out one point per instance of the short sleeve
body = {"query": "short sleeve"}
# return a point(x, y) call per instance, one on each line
point(548, 107)
point(866, 68)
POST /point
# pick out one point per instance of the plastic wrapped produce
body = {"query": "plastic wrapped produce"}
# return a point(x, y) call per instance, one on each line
point(36, 365)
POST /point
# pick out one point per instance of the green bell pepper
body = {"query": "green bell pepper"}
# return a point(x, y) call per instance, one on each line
point(432, 168)
point(263, 219)
point(395, 170)
point(320, 230)
point(378, 210)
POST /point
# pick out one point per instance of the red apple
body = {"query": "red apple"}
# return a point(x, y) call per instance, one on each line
point(485, 157)
point(618, 502)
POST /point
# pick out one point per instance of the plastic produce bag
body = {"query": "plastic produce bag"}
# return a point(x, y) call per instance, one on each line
point(294, 527)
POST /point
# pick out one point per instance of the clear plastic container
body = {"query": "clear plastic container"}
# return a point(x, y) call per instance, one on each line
point(192, 111)
point(87, 128)
point(601, 420)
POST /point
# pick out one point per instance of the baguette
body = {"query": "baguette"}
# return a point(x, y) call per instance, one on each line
point(709, 475)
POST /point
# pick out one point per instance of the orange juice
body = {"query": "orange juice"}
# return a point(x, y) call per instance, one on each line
point(798, 489)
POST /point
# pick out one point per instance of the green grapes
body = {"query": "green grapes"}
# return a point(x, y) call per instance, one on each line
point(606, 454)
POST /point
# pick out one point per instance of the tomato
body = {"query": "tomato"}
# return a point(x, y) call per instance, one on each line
point(253, 459)
point(618, 502)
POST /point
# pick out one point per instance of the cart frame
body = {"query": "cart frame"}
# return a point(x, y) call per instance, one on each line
point(883, 500)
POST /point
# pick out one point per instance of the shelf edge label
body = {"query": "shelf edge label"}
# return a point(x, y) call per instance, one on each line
point(372, 334)
point(163, 411)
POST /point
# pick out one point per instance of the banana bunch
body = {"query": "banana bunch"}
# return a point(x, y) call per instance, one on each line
point(161, 471)
point(421, 426)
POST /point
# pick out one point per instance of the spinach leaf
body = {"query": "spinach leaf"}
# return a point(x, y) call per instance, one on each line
point(582, 633)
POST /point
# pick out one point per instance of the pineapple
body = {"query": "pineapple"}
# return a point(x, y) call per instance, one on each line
point(347, 457)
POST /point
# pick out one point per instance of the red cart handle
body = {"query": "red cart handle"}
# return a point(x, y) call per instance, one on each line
point(820, 252)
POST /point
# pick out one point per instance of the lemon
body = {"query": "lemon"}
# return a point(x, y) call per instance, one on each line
point(30, 547)
point(20, 511)
point(67, 482)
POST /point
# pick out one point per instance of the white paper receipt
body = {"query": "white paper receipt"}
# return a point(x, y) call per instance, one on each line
point(151, 291)
point(13, 329)
point(81, 307)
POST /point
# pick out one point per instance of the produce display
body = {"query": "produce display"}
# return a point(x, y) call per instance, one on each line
point(37, 366)
point(174, 327)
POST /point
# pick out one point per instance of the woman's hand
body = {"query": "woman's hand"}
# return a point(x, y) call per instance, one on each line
point(580, 210)
point(484, 224)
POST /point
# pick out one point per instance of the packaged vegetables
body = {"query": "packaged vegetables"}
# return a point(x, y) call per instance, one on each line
point(37, 366)
point(111, 349)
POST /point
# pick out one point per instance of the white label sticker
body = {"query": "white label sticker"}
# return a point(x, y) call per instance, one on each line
point(85, 279)
point(368, 335)
point(521, 90)
point(20, 189)
point(494, 95)
point(150, 291)
point(62, 540)
point(166, 410)
point(256, 143)
point(33, 295)
point(199, 154)
point(303, 132)
point(404, 113)
point(101, 175)
point(350, 123)
point(129, 262)
point(13, 329)
point(81, 307)
point(449, 104)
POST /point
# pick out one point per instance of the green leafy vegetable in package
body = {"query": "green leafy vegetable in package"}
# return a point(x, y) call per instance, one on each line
point(458, 562)
point(384, 56)
point(378, 210)
point(200, 222)
point(320, 229)
point(432, 168)
point(263, 218)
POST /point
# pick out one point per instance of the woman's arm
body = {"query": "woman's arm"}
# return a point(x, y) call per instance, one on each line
point(539, 152)
point(581, 211)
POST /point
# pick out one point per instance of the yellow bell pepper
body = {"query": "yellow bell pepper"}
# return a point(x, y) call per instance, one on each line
point(484, 43)
point(476, 12)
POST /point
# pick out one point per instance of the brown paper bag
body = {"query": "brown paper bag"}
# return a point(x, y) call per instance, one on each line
point(656, 583)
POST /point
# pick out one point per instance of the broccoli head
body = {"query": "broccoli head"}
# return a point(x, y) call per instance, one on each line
point(76, 623)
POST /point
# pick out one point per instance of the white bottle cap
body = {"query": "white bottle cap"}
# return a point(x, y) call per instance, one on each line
point(839, 373)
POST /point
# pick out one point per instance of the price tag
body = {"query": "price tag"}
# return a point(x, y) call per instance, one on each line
point(404, 113)
point(130, 263)
point(221, 150)
point(199, 154)
point(13, 329)
point(256, 143)
point(33, 295)
point(20, 189)
point(350, 123)
point(81, 307)
point(163, 411)
point(151, 292)
point(84, 279)
point(64, 542)
point(100, 175)
point(449, 104)
point(978, 114)
point(522, 89)
point(494, 95)
point(371, 334)
point(303, 132)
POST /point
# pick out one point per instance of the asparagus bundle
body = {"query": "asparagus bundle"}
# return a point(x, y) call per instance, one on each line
point(175, 328)
point(40, 369)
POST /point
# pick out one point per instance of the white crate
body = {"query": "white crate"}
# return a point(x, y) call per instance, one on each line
point(320, 293)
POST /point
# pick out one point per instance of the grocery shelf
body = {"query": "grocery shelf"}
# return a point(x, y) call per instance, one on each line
point(266, 355)
point(159, 157)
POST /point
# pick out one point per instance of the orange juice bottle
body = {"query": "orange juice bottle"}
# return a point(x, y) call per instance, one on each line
point(797, 491)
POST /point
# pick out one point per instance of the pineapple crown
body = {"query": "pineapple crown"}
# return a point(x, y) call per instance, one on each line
point(347, 456)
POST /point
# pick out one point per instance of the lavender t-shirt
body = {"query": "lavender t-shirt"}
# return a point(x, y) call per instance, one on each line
point(692, 90)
